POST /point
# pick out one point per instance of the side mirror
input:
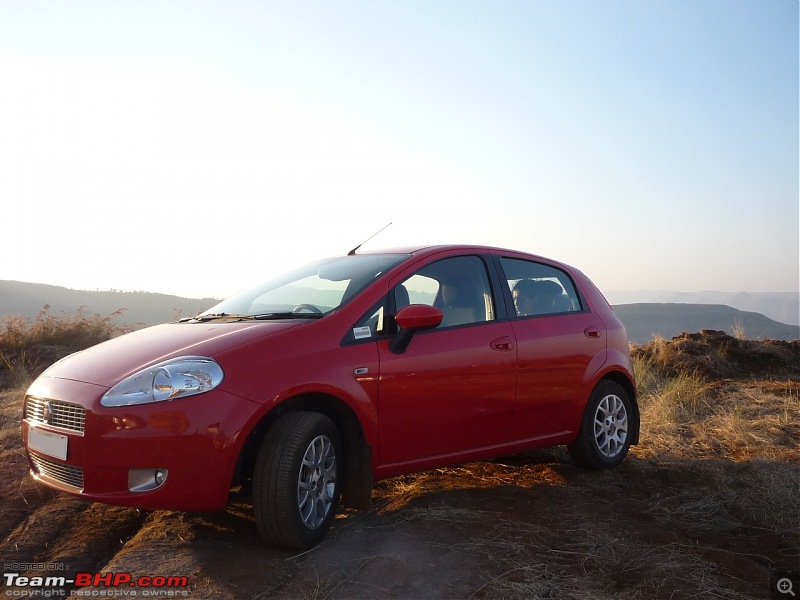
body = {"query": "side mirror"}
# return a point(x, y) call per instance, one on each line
point(410, 320)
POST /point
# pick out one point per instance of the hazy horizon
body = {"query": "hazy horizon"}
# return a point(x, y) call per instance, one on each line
point(783, 307)
point(631, 292)
point(196, 147)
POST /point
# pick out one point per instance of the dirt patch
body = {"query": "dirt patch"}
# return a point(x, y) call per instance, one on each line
point(698, 513)
point(532, 526)
point(647, 529)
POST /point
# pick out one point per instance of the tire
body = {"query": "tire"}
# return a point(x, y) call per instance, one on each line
point(295, 484)
point(606, 428)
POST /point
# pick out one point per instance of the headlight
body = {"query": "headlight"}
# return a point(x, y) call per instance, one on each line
point(174, 378)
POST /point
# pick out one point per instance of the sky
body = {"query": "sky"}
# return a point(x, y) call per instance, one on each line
point(197, 147)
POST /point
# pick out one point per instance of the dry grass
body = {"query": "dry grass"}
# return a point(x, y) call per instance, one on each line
point(28, 346)
point(716, 355)
point(10, 417)
point(524, 558)
point(687, 413)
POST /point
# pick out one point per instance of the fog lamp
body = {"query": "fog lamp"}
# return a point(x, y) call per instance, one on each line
point(145, 480)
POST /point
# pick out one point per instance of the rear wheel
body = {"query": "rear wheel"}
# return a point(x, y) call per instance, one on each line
point(295, 484)
point(605, 433)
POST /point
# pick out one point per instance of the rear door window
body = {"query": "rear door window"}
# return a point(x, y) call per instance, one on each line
point(538, 289)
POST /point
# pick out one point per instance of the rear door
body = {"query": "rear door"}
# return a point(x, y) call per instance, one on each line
point(557, 339)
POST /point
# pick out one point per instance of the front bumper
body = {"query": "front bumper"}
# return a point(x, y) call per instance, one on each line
point(196, 440)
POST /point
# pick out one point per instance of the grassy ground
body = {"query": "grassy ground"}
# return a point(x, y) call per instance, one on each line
point(705, 507)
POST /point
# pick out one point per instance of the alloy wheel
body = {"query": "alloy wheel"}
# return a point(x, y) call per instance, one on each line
point(316, 482)
point(610, 426)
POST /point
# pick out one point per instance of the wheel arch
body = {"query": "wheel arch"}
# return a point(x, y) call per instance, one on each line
point(627, 384)
point(356, 486)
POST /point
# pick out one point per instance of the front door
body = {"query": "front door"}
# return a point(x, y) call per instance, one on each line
point(453, 388)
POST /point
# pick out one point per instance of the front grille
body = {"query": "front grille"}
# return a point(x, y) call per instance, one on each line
point(55, 413)
point(59, 471)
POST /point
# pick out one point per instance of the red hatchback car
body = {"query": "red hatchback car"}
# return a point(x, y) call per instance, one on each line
point(314, 384)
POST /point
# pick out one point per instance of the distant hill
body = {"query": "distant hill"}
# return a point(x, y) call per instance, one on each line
point(27, 299)
point(644, 320)
point(783, 307)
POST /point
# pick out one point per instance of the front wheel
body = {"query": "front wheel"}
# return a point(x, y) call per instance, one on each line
point(295, 483)
point(605, 433)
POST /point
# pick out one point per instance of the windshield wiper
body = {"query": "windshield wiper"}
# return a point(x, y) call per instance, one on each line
point(211, 317)
point(273, 316)
point(285, 315)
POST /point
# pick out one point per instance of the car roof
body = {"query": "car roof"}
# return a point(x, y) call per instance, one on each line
point(425, 250)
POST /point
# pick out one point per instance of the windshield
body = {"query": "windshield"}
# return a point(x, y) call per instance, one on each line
point(311, 290)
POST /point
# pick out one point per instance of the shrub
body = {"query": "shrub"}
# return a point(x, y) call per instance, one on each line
point(27, 347)
point(715, 355)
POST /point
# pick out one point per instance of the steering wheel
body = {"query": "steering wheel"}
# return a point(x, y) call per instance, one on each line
point(309, 307)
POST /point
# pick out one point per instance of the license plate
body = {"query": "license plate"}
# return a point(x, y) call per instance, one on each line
point(52, 444)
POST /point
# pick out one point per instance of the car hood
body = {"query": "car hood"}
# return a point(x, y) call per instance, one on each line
point(110, 362)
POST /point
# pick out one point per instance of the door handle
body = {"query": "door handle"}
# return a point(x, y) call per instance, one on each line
point(591, 332)
point(502, 344)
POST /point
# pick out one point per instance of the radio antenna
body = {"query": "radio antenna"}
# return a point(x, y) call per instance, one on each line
point(353, 251)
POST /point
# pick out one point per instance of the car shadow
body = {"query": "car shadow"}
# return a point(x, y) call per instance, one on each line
point(447, 532)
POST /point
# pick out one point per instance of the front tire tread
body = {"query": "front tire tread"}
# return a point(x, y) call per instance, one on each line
point(275, 480)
